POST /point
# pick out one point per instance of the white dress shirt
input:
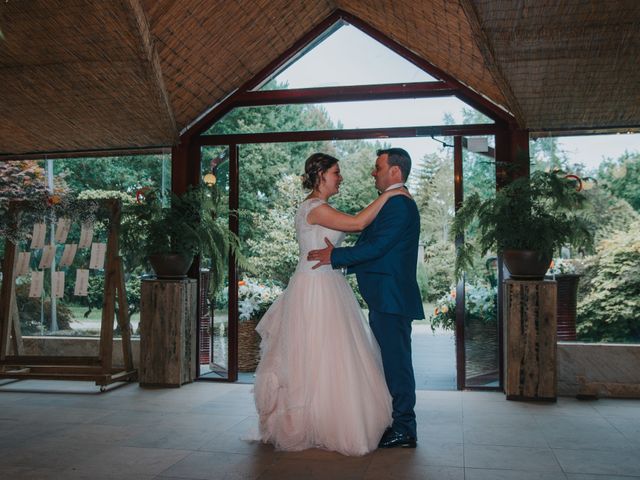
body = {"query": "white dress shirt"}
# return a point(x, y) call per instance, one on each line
point(395, 185)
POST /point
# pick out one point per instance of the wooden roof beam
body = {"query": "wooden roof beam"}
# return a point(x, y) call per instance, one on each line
point(115, 152)
point(348, 134)
point(485, 47)
point(345, 93)
point(154, 71)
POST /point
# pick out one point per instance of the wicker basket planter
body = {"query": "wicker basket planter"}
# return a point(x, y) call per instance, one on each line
point(481, 343)
point(248, 345)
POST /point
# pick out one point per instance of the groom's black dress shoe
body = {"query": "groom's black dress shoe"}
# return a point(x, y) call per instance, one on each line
point(392, 439)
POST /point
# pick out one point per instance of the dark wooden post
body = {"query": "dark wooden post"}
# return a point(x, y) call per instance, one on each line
point(519, 153)
point(458, 188)
point(185, 165)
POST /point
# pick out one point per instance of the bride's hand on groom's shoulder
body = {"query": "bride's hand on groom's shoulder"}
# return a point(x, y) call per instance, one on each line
point(399, 191)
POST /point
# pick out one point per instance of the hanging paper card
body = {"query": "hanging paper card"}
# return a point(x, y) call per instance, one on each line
point(48, 251)
point(477, 144)
point(82, 282)
point(86, 235)
point(68, 254)
point(37, 237)
point(37, 279)
point(57, 284)
point(22, 265)
point(98, 251)
point(62, 229)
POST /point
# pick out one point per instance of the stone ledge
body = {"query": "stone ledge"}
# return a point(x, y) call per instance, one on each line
point(77, 346)
point(599, 369)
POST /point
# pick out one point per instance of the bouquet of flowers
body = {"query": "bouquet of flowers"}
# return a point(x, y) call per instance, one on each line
point(255, 297)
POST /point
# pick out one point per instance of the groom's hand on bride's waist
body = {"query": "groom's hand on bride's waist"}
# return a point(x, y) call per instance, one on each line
point(323, 257)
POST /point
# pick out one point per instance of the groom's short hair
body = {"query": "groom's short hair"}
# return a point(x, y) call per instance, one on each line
point(400, 158)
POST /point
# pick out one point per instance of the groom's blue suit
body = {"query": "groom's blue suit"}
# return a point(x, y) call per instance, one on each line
point(384, 260)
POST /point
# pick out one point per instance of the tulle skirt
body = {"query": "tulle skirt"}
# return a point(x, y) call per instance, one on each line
point(320, 382)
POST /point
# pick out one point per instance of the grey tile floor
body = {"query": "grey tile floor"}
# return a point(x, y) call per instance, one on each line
point(64, 430)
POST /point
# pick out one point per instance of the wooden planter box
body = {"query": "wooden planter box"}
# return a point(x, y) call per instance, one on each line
point(530, 340)
point(168, 332)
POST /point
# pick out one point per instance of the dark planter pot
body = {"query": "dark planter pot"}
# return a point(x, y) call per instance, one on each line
point(566, 309)
point(526, 264)
point(170, 265)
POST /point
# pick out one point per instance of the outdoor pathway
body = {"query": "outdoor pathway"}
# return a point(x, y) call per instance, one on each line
point(434, 358)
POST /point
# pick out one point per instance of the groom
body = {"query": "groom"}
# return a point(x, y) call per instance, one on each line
point(384, 260)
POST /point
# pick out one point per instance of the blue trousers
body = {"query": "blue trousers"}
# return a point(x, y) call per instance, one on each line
point(393, 333)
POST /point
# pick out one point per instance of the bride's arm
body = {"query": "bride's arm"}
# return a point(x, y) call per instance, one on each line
point(329, 217)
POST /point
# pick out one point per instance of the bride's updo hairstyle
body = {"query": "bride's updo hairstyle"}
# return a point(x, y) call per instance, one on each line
point(316, 164)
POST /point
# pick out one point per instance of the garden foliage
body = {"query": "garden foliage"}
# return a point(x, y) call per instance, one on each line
point(609, 306)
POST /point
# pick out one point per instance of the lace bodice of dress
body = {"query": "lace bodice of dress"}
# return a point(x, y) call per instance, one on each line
point(311, 237)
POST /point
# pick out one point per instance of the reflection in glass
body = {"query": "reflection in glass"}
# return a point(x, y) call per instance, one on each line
point(481, 282)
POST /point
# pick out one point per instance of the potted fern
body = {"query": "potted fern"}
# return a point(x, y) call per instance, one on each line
point(526, 221)
point(170, 236)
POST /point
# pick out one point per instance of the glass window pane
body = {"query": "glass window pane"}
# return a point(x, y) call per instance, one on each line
point(347, 56)
point(85, 179)
point(594, 305)
point(213, 323)
point(481, 282)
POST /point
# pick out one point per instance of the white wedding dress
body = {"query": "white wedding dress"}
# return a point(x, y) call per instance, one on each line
point(320, 382)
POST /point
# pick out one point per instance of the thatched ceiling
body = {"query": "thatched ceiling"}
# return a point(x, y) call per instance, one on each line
point(106, 74)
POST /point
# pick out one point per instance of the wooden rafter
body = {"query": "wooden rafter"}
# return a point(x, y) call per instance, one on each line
point(155, 72)
point(345, 93)
point(485, 47)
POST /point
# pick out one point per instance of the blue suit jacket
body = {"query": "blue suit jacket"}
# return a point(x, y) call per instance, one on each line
point(384, 260)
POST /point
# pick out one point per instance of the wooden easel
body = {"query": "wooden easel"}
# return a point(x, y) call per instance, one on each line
point(96, 368)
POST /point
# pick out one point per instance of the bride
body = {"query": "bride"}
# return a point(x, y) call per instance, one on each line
point(320, 382)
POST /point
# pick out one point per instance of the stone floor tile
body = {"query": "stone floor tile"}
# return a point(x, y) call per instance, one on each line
point(128, 461)
point(491, 474)
point(510, 458)
point(216, 465)
point(601, 462)
point(413, 472)
point(504, 436)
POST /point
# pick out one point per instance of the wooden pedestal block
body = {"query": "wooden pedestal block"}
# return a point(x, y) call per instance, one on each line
point(168, 332)
point(530, 340)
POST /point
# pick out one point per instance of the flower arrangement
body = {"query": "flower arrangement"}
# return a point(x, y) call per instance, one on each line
point(444, 315)
point(255, 298)
point(481, 304)
point(562, 266)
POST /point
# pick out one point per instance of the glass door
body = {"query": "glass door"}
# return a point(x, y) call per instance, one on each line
point(477, 322)
point(214, 311)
